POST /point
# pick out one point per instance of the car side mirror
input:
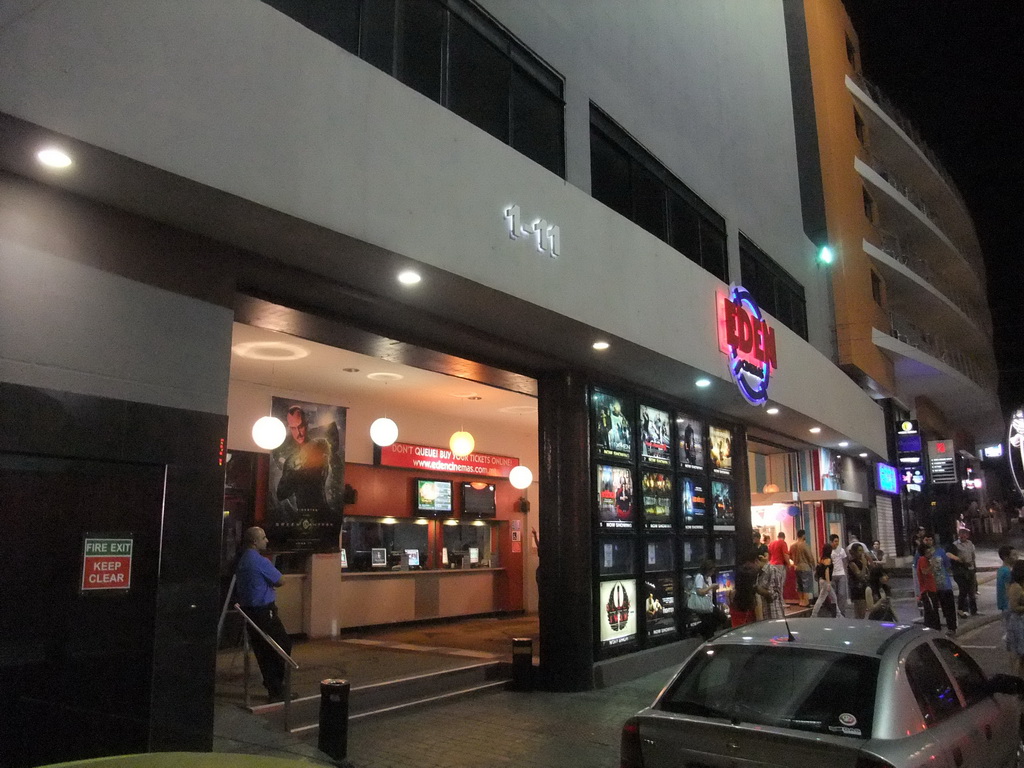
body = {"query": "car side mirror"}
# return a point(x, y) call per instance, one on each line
point(1010, 684)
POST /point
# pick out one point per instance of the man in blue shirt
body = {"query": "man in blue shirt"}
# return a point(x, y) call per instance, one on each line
point(255, 580)
point(942, 568)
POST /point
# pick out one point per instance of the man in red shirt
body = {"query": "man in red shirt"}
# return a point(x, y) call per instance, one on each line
point(778, 555)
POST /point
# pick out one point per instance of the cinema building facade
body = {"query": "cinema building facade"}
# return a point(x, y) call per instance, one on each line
point(616, 247)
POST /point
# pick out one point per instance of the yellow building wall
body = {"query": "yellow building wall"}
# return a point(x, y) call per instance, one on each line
point(856, 310)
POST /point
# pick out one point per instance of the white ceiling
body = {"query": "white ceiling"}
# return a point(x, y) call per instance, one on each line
point(292, 363)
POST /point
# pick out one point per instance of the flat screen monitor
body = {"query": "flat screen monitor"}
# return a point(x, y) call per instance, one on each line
point(378, 557)
point(478, 500)
point(413, 556)
point(474, 555)
point(433, 497)
point(888, 479)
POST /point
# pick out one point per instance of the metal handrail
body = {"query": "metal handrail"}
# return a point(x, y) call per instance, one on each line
point(291, 663)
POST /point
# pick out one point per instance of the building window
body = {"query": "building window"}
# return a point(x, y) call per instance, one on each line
point(455, 54)
point(876, 288)
point(858, 127)
point(629, 180)
point(869, 206)
point(775, 290)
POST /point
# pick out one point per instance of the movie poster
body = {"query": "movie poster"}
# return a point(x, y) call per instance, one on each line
point(726, 581)
point(617, 609)
point(657, 492)
point(615, 496)
point(691, 619)
point(720, 448)
point(694, 551)
point(693, 502)
point(305, 497)
point(655, 436)
point(723, 516)
point(613, 430)
point(691, 442)
point(660, 605)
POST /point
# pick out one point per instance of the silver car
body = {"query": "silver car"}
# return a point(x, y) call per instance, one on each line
point(829, 693)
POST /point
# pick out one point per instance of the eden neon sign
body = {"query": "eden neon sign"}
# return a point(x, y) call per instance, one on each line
point(745, 337)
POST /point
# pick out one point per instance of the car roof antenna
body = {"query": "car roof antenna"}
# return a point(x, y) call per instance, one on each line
point(789, 632)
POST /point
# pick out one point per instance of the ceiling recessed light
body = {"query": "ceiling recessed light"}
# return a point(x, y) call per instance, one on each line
point(385, 376)
point(52, 157)
point(275, 351)
point(601, 345)
point(703, 383)
point(844, 444)
point(772, 411)
point(815, 430)
point(408, 277)
point(862, 455)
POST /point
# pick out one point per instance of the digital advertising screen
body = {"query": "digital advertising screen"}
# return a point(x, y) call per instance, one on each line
point(615, 496)
point(657, 494)
point(478, 499)
point(887, 479)
point(613, 429)
point(720, 448)
point(691, 619)
point(690, 432)
point(655, 436)
point(723, 550)
point(723, 516)
point(694, 502)
point(660, 605)
point(617, 608)
point(658, 555)
point(726, 581)
point(433, 496)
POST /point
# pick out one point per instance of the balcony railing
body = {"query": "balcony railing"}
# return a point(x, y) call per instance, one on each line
point(910, 129)
point(892, 245)
point(906, 331)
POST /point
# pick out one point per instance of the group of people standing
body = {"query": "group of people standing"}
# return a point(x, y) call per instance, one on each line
point(855, 575)
point(936, 570)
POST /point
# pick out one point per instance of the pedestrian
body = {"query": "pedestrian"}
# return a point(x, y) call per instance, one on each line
point(760, 548)
point(926, 583)
point(877, 553)
point(770, 583)
point(942, 568)
point(826, 595)
point(1015, 617)
point(256, 579)
point(778, 555)
point(965, 573)
point(744, 597)
point(857, 572)
point(840, 581)
point(880, 607)
point(915, 545)
point(803, 562)
point(702, 601)
point(1009, 556)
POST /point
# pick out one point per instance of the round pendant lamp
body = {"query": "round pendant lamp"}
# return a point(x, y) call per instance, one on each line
point(461, 443)
point(383, 431)
point(521, 477)
point(268, 432)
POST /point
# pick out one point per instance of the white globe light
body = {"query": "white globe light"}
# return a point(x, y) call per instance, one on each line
point(462, 443)
point(383, 431)
point(521, 477)
point(268, 432)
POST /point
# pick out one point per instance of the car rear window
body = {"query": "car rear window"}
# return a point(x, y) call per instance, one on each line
point(779, 685)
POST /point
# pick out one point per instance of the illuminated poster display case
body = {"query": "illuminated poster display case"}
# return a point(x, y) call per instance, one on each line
point(663, 501)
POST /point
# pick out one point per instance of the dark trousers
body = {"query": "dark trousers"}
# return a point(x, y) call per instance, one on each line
point(967, 584)
point(930, 606)
point(948, 605)
point(272, 666)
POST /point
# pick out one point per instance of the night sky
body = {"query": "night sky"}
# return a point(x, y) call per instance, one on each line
point(955, 68)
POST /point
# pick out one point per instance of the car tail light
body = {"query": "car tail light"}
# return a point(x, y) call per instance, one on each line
point(870, 761)
point(629, 749)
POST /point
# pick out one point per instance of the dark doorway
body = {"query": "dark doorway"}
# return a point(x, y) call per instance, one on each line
point(76, 666)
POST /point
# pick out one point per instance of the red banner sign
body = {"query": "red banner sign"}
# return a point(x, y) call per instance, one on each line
point(433, 459)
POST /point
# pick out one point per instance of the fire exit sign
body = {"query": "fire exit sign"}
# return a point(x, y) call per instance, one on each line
point(106, 564)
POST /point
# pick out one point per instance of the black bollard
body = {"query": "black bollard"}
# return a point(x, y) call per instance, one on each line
point(333, 740)
point(522, 664)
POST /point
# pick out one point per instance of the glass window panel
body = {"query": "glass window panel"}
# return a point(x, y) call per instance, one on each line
point(537, 123)
point(658, 555)
point(684, 228)
point(360, 537)
point(966, 671)
point(478, 80)
point(713, 254)
point(338, 21)
point(609, 174)
point(466, 542)
point(377, 34)
point(420, 49)
point(931, 686)
point(648, 201)
point(694, 551)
